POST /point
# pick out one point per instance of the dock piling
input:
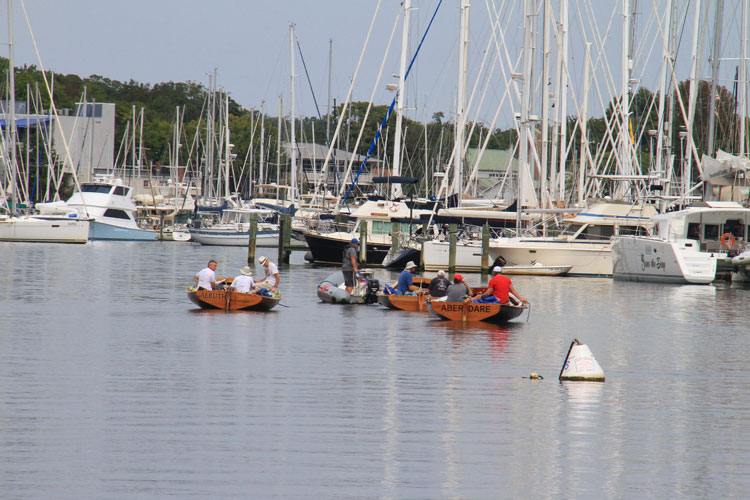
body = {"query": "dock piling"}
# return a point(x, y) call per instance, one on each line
point(252, 236)
point(285, 230)
point(453, 240)
point(363, 242)
point(485, 248)
point(395, 237)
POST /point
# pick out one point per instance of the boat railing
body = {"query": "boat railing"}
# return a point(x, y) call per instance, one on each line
point(325, 226)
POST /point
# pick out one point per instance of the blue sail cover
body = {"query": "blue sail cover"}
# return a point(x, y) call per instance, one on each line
point(27, 122)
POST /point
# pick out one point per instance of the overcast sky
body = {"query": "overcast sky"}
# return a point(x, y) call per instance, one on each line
point(248, 44)
point(246, 41)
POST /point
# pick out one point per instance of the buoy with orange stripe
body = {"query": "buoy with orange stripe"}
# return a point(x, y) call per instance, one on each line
point(581, 365)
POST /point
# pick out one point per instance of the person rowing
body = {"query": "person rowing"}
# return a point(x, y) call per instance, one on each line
point(501, 287)
point(459, 291)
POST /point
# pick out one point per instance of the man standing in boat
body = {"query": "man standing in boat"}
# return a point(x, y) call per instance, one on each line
point(349, 266)
point(501, 287)
point(272, 279)
point(206, 278)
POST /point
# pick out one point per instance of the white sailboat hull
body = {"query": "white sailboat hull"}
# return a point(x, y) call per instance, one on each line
point(585, 258)
point(661, 261)
point(468, 256)
point(44, 230)
point(224, 237)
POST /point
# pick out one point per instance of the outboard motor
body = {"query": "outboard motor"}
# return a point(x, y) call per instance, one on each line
point(371, 292)
point(500, 261)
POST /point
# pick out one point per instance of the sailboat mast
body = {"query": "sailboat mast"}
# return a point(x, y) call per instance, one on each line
point(545, 101)
point(743, 76)
point(523, 153)
point(563, 98)
point(662, 91)
point(624, 150)
point(293, 141)
point(694, 72)
point(463, 52)
point(262, 152)
point(12, 111)
point(140, 143)
point(715, 74)
point(584, 161)
point(278, 147)
point(227, 146)
point(671, 89)
point(328, 113)
point(396, 188)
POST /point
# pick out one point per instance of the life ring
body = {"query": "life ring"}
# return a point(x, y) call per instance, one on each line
point(725, 237)
point(394, 207)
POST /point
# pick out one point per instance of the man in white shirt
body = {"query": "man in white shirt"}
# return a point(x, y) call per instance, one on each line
point(271, 281)
point(244, 282)
point(206, 278)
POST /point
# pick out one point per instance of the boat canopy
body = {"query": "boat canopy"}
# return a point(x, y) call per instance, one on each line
point(27, 122)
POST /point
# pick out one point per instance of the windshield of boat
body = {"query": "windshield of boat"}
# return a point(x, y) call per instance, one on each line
point(583, 231)
point(244, 216)
point(96, 188)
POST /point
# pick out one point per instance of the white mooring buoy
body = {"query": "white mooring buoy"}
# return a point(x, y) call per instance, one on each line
point(580, 364)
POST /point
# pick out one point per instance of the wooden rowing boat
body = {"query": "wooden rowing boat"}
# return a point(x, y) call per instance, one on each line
point(416, 302)
point(459, 311)
point(404, 302)
point(229, 300)
point(232, 301)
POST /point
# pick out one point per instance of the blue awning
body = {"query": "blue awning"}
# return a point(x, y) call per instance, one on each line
point(27, 122)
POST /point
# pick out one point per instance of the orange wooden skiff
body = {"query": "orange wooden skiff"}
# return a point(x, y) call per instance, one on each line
point(459, 311)
point(416, 302)
point(404, 302)
point(231, 301)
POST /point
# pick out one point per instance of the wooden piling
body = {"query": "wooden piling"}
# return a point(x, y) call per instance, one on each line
point(363, 243)
point(453, 240)
point(287, 237)
point(252, 237)
point(424, 238)
point(485, 248)
point(395, 237)
point(285, 229)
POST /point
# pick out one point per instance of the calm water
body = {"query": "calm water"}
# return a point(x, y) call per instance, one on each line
point(112, 385)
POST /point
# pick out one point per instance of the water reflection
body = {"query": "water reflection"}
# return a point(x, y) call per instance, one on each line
point(498, 337)
point(104, 392)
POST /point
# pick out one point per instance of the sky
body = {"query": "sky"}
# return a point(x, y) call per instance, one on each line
point(248, 44)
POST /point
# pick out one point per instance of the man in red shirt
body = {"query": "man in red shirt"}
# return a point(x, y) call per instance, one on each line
point(500, 286)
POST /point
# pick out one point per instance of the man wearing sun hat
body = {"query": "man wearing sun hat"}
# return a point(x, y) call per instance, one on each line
point(405, 279)
point(501, 287)
point(244, 282)
point(272, 278)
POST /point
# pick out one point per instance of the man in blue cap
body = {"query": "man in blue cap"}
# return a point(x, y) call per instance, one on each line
point(349, 264)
